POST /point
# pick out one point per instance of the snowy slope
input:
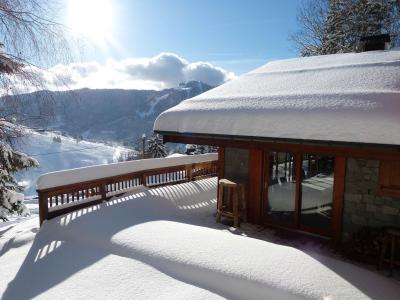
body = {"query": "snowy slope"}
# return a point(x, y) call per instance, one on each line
point(55, 156)
point(164, 244)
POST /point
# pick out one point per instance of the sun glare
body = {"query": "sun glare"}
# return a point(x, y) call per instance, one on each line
point(91, 19)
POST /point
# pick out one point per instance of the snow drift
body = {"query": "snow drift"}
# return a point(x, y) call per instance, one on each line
point(159, 244)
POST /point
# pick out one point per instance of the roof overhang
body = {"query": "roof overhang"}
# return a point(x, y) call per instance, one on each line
point(346, 149)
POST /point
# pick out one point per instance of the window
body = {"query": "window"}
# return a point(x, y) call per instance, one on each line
point(389, 178)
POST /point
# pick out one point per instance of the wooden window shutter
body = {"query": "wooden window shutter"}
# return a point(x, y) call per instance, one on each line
point(389, 178)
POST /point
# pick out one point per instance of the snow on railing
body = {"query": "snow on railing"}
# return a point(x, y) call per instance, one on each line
point(65, 191)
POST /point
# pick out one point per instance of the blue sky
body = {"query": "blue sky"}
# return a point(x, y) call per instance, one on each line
point(237, 35)
point(156, 44)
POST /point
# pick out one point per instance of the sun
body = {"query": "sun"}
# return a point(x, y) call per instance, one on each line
point(92, 19)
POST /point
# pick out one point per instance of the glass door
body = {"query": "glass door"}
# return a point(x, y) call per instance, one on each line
point(279, 188)
point(317, 193)
point(298, 191)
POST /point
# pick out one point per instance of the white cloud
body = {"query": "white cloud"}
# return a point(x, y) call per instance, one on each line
point(162, 71)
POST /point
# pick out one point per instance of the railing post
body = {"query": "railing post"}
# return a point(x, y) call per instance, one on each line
point(103, 191)
point(144, 179)
point(43, 208)
point(189, 172)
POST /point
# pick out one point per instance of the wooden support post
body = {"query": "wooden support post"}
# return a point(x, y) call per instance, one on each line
point(286, 156)
point(103, 191)
point(235, 207)
point(144, 182)
point(298, 161)
point(189, 172)
point(43, 208)
point(338, 199)
point(254, 186)
point(220, 202)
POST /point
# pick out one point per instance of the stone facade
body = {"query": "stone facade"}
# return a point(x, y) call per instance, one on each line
point(362, 205)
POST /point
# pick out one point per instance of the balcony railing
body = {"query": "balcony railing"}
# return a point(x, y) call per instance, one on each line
point(65, 191)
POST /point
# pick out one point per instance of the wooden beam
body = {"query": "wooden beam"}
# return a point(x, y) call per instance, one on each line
point(298, 162)
point(254, 189)
point(221, 173)
point(338, 199)
point(365, 152)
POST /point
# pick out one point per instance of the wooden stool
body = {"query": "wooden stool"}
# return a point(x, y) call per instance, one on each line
point(232, 200)
point(391, 237)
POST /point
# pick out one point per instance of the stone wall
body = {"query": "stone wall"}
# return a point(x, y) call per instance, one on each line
point(362, 205)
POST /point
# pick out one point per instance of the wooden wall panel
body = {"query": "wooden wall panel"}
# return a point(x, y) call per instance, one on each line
point(254, 190)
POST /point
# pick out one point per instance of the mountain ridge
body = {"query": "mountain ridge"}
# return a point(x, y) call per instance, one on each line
point(117, 115)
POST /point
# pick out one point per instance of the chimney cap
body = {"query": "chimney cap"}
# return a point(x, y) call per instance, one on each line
point(375, 42)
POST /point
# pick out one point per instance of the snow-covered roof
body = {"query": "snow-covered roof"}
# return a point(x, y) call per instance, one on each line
point(352, 97)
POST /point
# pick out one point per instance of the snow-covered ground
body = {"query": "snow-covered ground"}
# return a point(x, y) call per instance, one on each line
point(164, 243)
point(67, 154)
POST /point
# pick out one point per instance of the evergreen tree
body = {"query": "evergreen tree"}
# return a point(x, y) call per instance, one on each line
point(334, 37)
point(336, 26)
point(155, 146)
point(11, 161)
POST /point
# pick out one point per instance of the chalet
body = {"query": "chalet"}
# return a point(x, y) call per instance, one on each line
point(315, 140)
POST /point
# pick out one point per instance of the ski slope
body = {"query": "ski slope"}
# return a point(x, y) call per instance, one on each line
point(67, 154)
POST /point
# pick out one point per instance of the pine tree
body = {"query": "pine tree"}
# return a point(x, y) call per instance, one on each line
point(11, 161)
point(333, 36)
point(336, 26)
point(155, 147)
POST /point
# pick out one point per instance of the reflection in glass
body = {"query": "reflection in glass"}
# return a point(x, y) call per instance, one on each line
point(317, 191)
point(281, 187)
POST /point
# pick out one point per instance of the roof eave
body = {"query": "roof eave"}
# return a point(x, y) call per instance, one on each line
point(330, 143)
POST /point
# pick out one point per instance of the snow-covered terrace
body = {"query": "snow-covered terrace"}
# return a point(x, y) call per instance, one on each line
point(64, 191)
point(163, 243)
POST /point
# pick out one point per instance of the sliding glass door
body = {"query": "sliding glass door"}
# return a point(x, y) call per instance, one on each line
point(298, 191)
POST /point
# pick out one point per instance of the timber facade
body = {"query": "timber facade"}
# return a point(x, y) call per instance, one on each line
point(327, 189)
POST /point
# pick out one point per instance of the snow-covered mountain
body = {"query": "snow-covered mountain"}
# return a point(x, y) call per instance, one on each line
point(106, 115)
point(55, 152)
point(120, 116)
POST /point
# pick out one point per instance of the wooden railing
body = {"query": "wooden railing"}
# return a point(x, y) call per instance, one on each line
point(56, 201)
